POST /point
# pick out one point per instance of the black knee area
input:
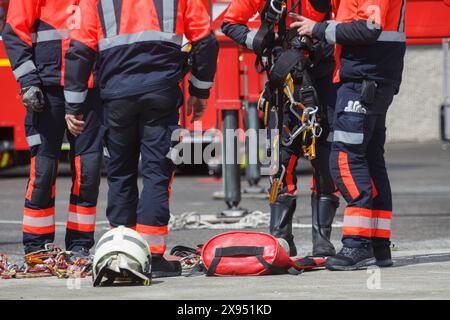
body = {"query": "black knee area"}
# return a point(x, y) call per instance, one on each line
point(91, 164)
point(45, 175)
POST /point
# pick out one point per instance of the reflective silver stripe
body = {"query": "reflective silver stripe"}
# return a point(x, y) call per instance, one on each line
point(383, 224)
point(359, 222)
point(200, 84)
point(348, 137)
point(401, 25)
point(367, 223)
point(81, 218)
point(39, 222)
point(50, 35)
point(34, 140)
point(24, 69)
point(150, 35)
point(392, 36)
point(249, 40)
point(168, 15)
point(75, 97)
point(135, 241)
point(109, 16)
point(154, 240)
point(330, 32)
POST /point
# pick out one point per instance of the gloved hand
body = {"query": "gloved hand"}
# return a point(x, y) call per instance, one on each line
point(33, 99)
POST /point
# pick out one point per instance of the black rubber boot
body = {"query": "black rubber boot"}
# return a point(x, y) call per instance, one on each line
point(323, 211)
point(281, 213)
point(349, 259)
point(382, 252)
point(162, 268)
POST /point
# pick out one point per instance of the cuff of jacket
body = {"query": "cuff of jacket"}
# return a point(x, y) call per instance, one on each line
point(74, 109)
point(199, 93)
point(319, 31)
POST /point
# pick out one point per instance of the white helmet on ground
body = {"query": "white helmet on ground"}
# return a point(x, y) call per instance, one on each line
point(121, 254)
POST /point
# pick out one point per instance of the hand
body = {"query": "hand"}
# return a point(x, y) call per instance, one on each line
point(305, 26)
point(75, 124)
point(197, 107)
point(33, 99)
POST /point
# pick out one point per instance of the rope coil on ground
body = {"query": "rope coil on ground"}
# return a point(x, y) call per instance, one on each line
point(256, 219)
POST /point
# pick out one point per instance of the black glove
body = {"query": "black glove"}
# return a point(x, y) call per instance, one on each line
point(33, 99)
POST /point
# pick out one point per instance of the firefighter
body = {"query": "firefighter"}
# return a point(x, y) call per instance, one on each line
point(324, 202)
point(370, 50)
point(36, 37)
point(137, 46)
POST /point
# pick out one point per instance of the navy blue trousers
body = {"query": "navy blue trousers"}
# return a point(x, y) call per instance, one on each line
point(141, 127)
point(358, 165)
point(45, 132)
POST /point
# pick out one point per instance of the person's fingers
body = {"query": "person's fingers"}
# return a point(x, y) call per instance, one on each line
point(295, 25)
point(76, 122)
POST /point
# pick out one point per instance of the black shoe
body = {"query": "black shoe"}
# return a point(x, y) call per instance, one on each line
point(81, 252)
point(162, 268)
point(382, 252)
point(349, 259)
point(281, 213)
point(323, 211)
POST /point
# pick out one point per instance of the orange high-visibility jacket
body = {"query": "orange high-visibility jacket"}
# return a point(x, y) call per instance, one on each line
point(370, 38)
point(36, 37)
point(137, 47)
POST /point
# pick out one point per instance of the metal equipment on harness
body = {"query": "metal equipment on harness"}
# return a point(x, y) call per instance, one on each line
point(286, 59)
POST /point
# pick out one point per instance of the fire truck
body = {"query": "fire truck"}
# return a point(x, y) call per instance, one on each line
point(237, 86)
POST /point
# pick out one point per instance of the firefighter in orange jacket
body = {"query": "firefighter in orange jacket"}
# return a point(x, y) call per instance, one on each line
point(36, 37)
point(139, 62)
point(324, 202)
point(370, 50)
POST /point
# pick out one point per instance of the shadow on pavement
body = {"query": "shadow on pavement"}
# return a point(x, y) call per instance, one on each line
point(421, 259)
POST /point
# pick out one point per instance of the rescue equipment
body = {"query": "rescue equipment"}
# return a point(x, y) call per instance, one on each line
point(122, 255)
point(51, 261)
point(242, 253)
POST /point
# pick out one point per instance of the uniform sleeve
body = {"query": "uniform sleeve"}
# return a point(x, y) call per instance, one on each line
point(17, 38)
point(205, 48)
point(235, 21)
point(80, 57)
point(363, 30)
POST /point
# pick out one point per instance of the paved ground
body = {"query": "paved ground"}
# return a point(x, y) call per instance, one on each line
point(420, 177)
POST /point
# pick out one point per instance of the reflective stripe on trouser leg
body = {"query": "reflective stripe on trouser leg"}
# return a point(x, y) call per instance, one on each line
point(382, 223)
point(39, 221)
point(155, 236)
point(81, 218)
point(367, 223)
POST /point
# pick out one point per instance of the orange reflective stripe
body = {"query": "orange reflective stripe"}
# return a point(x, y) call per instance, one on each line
point(30, 187)
point(355, 211)
point(355, 231)
point(82, 210)
point(290, 174)
point(77, 182)
point(380, 233)
point(39, 213)
point(80, 226)
point(384, 214)
point(157, 249)
point(153, 230)
point(38, 230)
point(374, 190)
point(346, 175)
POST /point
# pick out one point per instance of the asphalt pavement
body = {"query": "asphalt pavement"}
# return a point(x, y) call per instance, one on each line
point(420, 177)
